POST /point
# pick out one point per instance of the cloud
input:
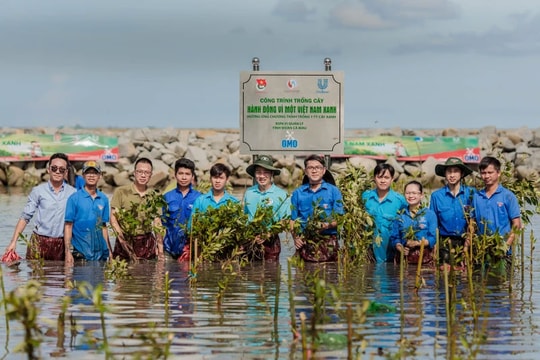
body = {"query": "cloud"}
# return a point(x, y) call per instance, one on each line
point(519, 39)
point(358, 16)
point(295, 11)
point(388, 14)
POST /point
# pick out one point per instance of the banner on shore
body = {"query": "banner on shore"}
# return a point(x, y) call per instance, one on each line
point(414, 148)
point(81, 147)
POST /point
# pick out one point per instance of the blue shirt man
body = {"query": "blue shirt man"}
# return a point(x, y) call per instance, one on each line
point(86, 218)
point(265, 194)
point(217, 196)
point(317, 193)
point(383, 204)
point(451, 210)
point(496, 209)
point(452, 203)
point(180, 202)
point(326, 196)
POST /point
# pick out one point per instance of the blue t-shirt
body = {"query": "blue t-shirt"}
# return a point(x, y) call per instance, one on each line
point(275, 197)
point(79, 182)
point(495, 214)
point(206, 201)
point(175, 215)
point(89, 216)
point(451, 211)
point(327, 197)
point(384, 213)
point(423, 225)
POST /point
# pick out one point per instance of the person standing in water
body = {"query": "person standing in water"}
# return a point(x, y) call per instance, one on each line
point(383, 204)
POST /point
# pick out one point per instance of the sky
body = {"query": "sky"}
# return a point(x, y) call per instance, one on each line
point(177, 63)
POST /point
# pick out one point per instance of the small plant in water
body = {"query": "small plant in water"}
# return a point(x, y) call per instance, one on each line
point(356, 225)
point(95, 296)
point(139, 217)
point(116, 269)
point(22, 306)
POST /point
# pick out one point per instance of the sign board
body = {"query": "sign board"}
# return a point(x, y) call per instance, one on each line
point(292, 112)
point(81, 147)
point(414, 148)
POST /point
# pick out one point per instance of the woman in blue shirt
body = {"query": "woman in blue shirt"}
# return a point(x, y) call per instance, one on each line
point(415, 227)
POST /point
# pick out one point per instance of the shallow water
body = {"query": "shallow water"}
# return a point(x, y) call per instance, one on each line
point(253, 321)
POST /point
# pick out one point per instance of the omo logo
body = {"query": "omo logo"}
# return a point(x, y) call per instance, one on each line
point(470, 156)
point(289, 141)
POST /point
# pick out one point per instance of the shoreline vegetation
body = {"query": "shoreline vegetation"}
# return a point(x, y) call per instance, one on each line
point(520, 147)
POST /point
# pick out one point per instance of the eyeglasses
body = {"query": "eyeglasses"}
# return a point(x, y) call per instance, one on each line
point(314, 168)
point(57, 169)
point(412, 193)
point(143, 172)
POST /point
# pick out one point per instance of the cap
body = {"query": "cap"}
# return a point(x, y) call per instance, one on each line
point(91, 165)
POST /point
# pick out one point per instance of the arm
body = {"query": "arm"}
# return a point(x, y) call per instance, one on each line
point(68, 234)
point(159, 236)
point(395, 238)
point(105, 233)
point(516, 226)
point(120, 235)
point(19, 228)
point(28, 212)
point(298, 239)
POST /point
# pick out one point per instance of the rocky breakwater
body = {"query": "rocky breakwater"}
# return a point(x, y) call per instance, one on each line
point(520, 146)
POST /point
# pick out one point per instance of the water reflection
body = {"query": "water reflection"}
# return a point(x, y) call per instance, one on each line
point(247, 314)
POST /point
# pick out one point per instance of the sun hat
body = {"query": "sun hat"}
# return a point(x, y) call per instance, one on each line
point(263, 161)
point(91, 165)
point(440, 169)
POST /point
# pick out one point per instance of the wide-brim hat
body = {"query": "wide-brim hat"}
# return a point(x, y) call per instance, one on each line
point(440, 169)
point(263, 161)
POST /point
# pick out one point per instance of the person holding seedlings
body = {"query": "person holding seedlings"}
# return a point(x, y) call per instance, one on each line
point(86, 235)
point(138, 236)
point(415, 227)
point(452, 205)
point(178, 209)
point(383, 204)
point(266, 194)
point(218, 195)
point(47, 202)
point(496, 209)
point(315, 206)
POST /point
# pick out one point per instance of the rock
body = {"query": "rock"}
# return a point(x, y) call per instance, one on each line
point(127, 150)
point(3, 177)
point(199, 157)
point(450, 132)
point(208, 146)
point(395, 164)
point(121, 178)
point(359, 162)
point(412, 169)
point(15, 176)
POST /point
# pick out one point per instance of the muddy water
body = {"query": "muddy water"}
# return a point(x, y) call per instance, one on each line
point(251, 320)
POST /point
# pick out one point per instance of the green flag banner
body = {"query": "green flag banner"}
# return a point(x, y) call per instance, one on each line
point(80, 147)
point(414, 148)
